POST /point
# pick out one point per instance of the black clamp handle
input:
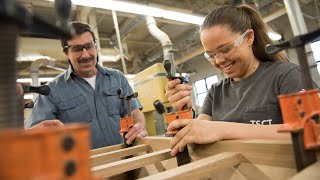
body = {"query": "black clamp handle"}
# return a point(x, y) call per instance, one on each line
point(43, 90)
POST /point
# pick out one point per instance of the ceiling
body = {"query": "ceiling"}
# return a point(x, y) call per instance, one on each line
point(140, 47)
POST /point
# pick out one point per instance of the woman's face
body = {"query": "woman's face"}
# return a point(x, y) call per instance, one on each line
point(236, 61)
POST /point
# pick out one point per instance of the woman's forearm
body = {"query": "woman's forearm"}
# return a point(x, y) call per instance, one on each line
point(232, 130)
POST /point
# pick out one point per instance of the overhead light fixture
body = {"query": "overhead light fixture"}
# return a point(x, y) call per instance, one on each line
point(315, 46)
point(274, 36)
point(140, 9)
point(28, 96)
point(33, 57)
point(29, 80)
point(130, 76)
point(104, 58)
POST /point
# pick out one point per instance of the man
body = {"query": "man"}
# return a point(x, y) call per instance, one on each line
point(87, 93)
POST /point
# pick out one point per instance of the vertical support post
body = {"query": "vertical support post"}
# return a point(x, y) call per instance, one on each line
point(116, 27)
point(93, 23)
point(299, 27)
point(9, 115)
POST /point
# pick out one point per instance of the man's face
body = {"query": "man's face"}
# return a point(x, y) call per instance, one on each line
point(82, 54)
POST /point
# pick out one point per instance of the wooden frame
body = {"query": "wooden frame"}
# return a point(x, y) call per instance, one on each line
point(234, 159)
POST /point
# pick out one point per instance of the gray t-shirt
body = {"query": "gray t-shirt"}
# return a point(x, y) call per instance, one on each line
point(253, 100)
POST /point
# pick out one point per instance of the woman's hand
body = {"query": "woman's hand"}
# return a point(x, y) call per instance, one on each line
point(194, 131)
point(178, 94)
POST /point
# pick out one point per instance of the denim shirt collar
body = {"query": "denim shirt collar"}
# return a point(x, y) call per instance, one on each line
point(70, 71)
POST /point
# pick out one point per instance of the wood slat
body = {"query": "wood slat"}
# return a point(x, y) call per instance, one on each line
point(200, 169)
point(156, 142)
point(265, 152)
point(106, 149)
point(104, 158)
point(250, 171)
point(131, 163)
point(310, 172)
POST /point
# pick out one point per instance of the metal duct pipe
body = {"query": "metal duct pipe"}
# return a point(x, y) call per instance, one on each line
point(34, 70)
point(164, 40)
point(11, 115)
point(35, 66)
point(116, 27)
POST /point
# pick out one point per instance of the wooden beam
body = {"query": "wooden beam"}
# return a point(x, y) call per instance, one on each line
point(104, 158)
point(118, 167)
point(311, 172)
point(265, 152)
point(156, 143)
point(275, 14)
point(202, 168)
point(106, 149)
point(250, 171)
point(189, 56)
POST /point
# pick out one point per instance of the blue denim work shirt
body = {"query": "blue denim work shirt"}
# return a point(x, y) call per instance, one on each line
point(73, 100)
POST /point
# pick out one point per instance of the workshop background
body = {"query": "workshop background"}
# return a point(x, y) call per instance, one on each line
point(139, 54)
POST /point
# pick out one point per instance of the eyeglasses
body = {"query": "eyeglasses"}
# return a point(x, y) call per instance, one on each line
point(226, 51)
point(79, 48)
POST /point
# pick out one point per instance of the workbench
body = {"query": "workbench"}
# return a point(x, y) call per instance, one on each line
point(231, 159)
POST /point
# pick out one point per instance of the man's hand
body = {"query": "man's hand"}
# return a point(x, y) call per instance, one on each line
point(193, 131)
point(178, 94)
point(138, 131)
point(48, 123)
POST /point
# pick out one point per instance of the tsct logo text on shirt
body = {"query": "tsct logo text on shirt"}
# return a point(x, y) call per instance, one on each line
point(262, 122)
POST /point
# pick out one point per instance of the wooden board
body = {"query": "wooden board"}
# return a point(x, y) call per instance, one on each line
point(213, 164)
point(107, 157)
point(233, 160)
point(106, 149)
point(264, 152)
point(131, 164)
point(311, 172)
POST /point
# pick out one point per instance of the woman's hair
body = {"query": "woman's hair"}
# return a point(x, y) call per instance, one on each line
point(239, 19)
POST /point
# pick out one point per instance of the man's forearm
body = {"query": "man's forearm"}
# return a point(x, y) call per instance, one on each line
point(138, 117)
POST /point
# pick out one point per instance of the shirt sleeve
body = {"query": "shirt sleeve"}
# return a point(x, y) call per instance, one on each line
point(292, 83)
point(208, 102)
point(43, 109)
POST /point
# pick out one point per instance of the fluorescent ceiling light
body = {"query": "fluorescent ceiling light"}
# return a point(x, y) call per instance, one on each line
point(130, 76)
point(183, 74)
point(29, 80)
point(28, 96)
point(33, 57)
point(315, 46)
point(108, 58)
point(274, 36)
point(140, 9)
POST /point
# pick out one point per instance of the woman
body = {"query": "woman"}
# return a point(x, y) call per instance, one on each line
point(244, 105)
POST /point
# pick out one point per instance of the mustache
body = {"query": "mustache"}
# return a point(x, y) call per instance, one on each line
point(86, 59)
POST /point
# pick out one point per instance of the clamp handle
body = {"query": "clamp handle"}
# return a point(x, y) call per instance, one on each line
point(170, 76)
point(43, 90)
